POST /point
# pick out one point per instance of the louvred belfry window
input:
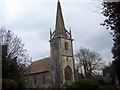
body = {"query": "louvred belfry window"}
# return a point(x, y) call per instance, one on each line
point(66, 46)
point(68, 74)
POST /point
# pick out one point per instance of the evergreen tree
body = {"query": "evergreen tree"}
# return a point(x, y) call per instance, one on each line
point(14, 58)
point(111, 10)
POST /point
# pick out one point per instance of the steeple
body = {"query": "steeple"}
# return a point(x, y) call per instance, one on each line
point(60, 27)
point(61, 52)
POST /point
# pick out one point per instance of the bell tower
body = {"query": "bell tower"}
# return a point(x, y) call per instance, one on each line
point(61, 51)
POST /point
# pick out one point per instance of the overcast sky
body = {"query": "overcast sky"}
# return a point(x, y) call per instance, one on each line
point(31, 20)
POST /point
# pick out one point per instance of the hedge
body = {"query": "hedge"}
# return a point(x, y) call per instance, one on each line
point(83, 84)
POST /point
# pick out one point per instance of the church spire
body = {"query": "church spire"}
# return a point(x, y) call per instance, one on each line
point(60, 28)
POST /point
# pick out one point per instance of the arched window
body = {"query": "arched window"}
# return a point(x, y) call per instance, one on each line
point(68, 74)
point(35, 80)
point(43, 79)
point(66, 46)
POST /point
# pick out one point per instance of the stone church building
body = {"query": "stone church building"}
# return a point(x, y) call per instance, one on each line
point(59, 68)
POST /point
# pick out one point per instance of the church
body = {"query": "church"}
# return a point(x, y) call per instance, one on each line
point(59, 68)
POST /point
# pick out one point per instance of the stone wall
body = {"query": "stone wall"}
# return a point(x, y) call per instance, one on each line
point(30, 80)
point(66, 58)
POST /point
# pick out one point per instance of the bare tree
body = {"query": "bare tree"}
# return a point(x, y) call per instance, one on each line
point(88, 62)
point(12, 47)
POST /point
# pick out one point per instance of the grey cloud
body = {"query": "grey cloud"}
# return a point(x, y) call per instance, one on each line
point(33, 23)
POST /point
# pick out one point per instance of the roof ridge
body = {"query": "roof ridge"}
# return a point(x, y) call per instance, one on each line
point(42, 59)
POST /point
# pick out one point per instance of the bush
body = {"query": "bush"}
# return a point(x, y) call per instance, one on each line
point(21, 84)
point(65, 85)
point(103, 82)
point(9, 84)
point(84, 84)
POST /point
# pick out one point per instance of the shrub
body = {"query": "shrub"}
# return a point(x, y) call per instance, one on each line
point(65, 85)
point(9, 84)
point(101, 82)
point(84, 84)
point(21, 84)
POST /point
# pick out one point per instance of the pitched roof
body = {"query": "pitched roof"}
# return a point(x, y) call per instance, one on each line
point(39, 66)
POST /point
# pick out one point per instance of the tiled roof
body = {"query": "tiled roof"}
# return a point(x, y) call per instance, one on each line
point(39, 66)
